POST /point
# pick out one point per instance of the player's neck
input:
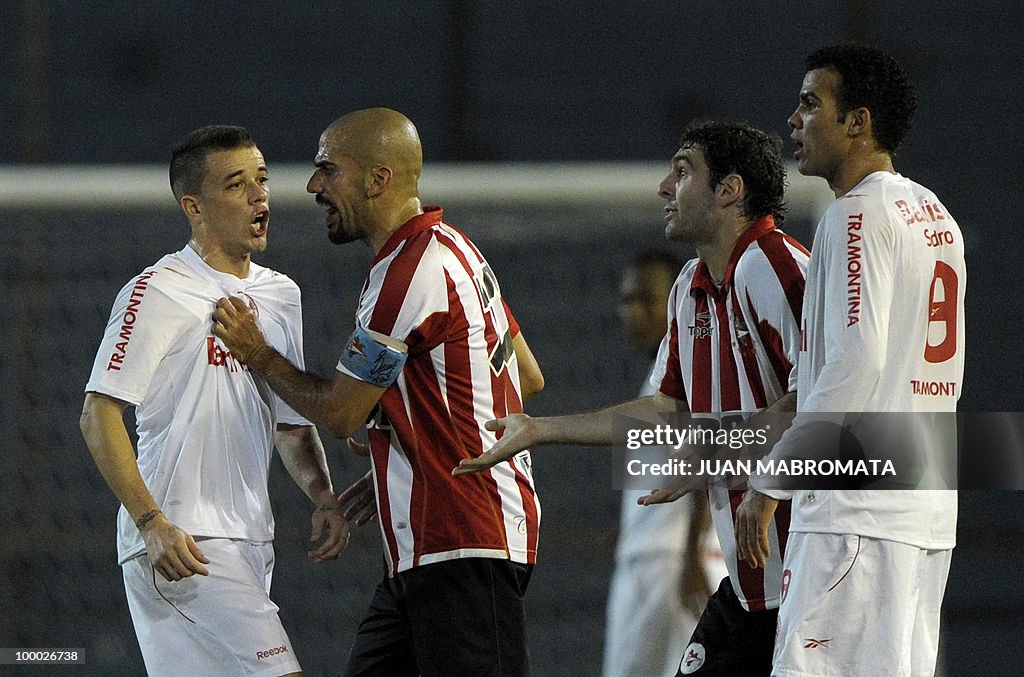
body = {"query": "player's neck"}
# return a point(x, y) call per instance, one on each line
point(221, 261)
point(855, 168)
point(392, 220)
point(715, 254)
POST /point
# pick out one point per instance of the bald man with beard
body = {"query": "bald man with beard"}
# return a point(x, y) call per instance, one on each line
point(435, 353)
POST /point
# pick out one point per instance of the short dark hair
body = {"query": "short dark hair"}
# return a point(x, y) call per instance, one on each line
point(188, 159)
point(738, 148)
point(871, 78)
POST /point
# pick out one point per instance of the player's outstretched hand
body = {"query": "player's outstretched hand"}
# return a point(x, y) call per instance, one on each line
point(663, 496)
point(234, 323)
point(330, 525)
point(172, 552)
point(520, 432)
point(358, 500)
point(753, 516)
point(677, 487)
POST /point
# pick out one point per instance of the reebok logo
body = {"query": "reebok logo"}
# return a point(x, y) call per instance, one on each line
point(816, 643)
point(271, 652)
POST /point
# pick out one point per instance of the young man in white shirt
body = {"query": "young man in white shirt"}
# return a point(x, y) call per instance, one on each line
point(196, 501)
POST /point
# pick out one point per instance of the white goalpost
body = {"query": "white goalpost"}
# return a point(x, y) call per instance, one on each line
point(499, 184)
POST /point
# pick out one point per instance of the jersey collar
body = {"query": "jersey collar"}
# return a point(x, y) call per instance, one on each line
point(702, 276)
point(193, 259)
point(430, 217)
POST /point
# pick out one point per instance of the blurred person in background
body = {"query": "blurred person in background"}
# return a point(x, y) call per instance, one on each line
point(665, 558)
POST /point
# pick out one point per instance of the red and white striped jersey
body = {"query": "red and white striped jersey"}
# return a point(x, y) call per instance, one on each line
point(732, 348)
point(884, 332)
point(430, 288)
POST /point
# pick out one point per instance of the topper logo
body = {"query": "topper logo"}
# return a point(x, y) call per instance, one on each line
point(701, 328)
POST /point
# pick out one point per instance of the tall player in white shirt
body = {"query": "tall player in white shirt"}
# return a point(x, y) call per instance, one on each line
point(883, 332)
point(731, 344)
point(196, 500)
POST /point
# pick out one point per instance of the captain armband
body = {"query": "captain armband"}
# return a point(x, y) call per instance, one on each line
point(373, 357)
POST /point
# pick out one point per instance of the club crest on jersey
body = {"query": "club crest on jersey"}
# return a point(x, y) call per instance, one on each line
point(249, 301)
point(693, 659)
point(701, 328)
point(740, 331)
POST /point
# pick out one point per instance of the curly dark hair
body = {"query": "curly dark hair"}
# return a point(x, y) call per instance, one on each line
point(188, 158)
point(738, 148)
point(871, 78)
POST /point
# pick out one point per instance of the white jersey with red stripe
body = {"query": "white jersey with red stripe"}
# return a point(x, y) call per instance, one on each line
point(884, 332)
point(731, 348)
point(431, 289)
point(205, 424)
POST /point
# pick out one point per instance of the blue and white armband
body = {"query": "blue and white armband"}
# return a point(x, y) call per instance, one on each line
point(373, 357)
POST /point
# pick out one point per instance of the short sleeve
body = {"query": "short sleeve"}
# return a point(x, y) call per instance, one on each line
point(407, 296)
point(144, 325)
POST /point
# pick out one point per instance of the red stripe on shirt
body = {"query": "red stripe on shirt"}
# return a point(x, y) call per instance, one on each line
point(773, 345)
point(728, 376)
point(781, 518)
point(748, 355)
point(398, 276)
point(701, 381)
point(791, 278)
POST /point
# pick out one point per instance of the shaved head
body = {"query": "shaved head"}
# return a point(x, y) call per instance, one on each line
point(368, 167)
point(379, 136)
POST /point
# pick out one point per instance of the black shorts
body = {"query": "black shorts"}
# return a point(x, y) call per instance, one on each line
point(458, 617)
point(730, 641)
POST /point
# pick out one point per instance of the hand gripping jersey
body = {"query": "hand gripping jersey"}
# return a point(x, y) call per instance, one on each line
point(430, 290)
point(205, 424)
point(883, 332)
point(732, 349)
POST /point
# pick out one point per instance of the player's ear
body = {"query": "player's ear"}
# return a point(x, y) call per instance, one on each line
point(378, 180)
point(858, 121)
point(729, 189)
point(191, 206)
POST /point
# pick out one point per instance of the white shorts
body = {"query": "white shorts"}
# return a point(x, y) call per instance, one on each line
point(853, 605)
point(647, 627)
point(221, 624)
